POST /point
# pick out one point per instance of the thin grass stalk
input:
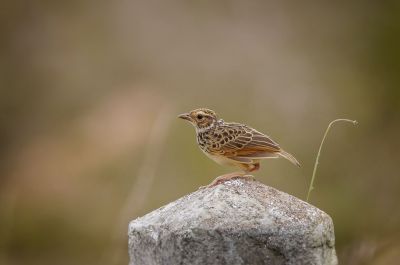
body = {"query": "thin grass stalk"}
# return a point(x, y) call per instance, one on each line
point(311, 187)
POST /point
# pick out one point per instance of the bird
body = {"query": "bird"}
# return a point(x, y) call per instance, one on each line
point(234, 144)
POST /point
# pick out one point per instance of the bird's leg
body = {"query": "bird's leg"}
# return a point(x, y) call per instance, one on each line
point(251, 168)
point(226, 177)
point(255, 167)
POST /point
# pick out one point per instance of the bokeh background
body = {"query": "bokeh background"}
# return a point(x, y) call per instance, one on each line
point(90, 90)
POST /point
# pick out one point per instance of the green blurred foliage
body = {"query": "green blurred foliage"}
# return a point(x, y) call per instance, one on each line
point(85, 147)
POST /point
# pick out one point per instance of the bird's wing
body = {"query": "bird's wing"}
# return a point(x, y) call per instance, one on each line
point(241, 141)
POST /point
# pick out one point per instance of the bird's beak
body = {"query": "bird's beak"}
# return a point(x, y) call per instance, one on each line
point(185, 116)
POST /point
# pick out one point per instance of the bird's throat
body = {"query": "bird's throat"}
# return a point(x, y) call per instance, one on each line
point(204, 129)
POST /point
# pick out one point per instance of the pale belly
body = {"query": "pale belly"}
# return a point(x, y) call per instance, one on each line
point(221, 160)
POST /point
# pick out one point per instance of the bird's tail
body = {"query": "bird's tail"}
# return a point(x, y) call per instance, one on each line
point(289, 157)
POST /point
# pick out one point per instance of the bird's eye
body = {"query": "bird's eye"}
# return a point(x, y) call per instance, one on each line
point(199, 116)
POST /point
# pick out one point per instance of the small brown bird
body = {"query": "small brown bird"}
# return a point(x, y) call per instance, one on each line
point(235, 144)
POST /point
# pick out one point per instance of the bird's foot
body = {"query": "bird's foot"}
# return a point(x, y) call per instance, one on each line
point(226, 177)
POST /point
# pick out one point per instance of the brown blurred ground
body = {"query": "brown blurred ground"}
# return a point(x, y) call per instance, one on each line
point(89, 91)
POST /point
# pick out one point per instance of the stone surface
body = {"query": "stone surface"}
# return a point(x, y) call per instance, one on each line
point(237, 222)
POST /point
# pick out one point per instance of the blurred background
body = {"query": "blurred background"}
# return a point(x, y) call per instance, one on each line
point(90, 91)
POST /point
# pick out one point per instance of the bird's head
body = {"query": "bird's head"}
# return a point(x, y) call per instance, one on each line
point(201, 119)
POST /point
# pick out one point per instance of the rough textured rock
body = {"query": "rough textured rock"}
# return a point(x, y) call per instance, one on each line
point(237, 222)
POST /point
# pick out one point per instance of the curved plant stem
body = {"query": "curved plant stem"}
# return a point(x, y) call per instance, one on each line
point(311, 187)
